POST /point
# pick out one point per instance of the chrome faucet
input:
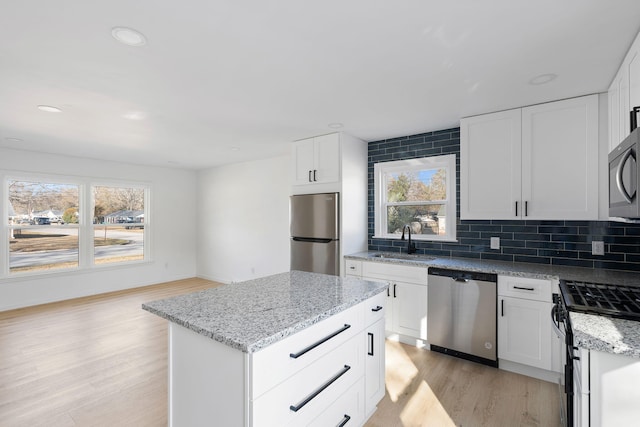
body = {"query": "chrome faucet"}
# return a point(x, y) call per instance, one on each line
point(411, 248)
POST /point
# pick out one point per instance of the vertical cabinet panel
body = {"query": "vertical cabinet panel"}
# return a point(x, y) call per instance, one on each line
point(560, 159)
point(490, 165)
point(410, 310)
point(303, 161)
point(327, 158)
point(374, 366)
point(524, 329)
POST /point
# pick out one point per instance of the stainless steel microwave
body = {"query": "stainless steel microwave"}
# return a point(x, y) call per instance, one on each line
point(623, 178)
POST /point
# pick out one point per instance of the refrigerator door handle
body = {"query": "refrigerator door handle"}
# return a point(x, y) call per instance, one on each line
point(312, 240)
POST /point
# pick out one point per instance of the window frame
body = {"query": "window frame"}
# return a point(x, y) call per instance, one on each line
point(448, 162)
point(85, 226)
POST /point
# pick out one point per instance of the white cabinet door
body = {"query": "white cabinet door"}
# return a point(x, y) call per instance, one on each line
point(409, 309)
point(490, 165)
point(303, 162)
point(374, 366)
point(316, 160)
point(327, 158)
point(524, 331)
point(560, 159)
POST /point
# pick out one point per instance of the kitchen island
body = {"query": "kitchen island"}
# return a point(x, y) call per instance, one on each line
point(295, 348)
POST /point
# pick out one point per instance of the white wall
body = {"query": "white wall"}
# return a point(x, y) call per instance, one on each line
point(173, 232)
point(243, 220)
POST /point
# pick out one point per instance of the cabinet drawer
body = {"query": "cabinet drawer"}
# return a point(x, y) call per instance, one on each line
point(375, 308)
point(347, 410)
point(275, 364)
point(403, 273)
point(525, 288)
point(353, 267)
point(318, 385)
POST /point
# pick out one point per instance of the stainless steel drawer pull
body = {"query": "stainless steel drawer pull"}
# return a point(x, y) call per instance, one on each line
point(296, 408)
point(378, 308)
point(344, 421)
point(524, 289)
point(322, 341)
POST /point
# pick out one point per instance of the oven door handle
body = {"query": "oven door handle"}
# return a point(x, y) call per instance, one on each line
point(555, 323)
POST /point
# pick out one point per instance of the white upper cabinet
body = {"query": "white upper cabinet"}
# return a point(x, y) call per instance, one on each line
point(490, 152)
point(560, 159)
point(316, 160)
point(624, 95)
point(538, 162)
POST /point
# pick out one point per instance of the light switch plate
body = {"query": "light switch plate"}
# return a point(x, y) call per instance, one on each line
point(597, 248)
point(495, 243)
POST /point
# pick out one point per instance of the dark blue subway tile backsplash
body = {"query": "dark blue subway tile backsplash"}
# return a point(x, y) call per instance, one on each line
point(538, 242)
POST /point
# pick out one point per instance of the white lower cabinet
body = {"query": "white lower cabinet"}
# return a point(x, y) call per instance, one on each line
point(525, 335)
point(409, 313)
point(523, 331)
point(406, 298)
point(612, 396)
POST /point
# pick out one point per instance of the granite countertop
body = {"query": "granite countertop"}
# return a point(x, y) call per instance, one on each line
point(249, 316)
point(520, 269)
point(606, 334)
point(592, 332)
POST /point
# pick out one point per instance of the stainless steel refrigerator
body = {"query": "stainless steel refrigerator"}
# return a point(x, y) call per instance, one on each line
point(315, 228)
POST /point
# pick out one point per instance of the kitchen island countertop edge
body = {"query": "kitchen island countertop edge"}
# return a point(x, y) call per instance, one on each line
point(251, 315)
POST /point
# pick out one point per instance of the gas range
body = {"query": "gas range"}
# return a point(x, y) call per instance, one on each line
point(605, 300)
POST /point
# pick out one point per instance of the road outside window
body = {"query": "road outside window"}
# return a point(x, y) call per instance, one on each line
point(119, 221)
point(43, 226)
point(55, 225)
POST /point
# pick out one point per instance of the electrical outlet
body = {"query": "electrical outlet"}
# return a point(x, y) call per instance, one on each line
point(597, 248)
point(495, 243)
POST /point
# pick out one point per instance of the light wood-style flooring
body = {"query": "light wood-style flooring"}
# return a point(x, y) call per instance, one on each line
point(102, 361)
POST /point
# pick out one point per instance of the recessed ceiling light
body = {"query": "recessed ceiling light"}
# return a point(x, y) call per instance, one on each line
point(10, 139)
point(135, 115)
point(335, 125)
point(173, 162)
point(128, 36)
point(235, 148)
point(49, 109)
point(542, 79)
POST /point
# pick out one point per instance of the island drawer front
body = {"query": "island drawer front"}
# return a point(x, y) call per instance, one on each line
point(274, 364)
point(403, 273)
point(347, 408)
point(375, 308)
point(274, 407)
point(525, 288)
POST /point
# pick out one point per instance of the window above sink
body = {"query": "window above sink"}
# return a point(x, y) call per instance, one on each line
point(420, 193)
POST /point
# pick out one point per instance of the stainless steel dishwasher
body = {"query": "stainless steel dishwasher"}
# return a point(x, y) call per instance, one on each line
point(461, 314)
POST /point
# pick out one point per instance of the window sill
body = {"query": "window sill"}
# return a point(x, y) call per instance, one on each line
point(418, 238)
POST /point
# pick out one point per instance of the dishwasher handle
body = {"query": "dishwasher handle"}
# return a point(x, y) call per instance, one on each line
point(457, 275)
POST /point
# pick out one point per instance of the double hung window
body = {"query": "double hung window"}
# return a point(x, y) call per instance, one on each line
point(420, 193)
point(65, 224)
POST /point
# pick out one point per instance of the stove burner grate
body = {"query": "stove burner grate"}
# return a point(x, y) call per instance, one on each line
point(596, 298)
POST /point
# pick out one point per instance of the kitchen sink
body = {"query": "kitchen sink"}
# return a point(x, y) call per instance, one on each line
point(400, 256)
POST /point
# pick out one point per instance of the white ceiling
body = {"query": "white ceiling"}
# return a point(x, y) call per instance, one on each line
point(255, 75)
